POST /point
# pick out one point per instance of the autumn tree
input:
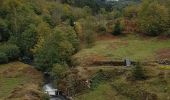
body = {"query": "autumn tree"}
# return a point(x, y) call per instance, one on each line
point(153, 18)
point(55, 49)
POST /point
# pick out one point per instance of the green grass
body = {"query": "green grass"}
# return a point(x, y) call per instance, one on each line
point(102, 92)
point(121, 88)
point(134, 48)
point(8, 84)
point(131, 47)
point(15, 74)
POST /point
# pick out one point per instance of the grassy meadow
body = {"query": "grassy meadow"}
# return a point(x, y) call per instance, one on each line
point(132, 47)
point(122, 87)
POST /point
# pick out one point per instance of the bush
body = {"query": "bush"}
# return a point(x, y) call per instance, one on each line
point(138, 72)
point(58, 70)
point(11, 51)
point(133, 92)
point(90, 38)
point(102, 76)
point(117, 28)
point(101, 28)
point(45, 97)
point(167, 33)
point(3, 58)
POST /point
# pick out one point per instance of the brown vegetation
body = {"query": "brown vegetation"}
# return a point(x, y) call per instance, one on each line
point(26, 84)
point(164, 54)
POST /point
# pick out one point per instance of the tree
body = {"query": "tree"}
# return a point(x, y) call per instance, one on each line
point(153, 18)
point(95, 5)
point(55, 49)
point(131, 11)
point(14, 9)
point(90, 38)
point(3, 58)
point(138, 72)
point(71, 36)
point(28, 40)
point(43, 30)
point(4, 32)
point(58, 70)
point(10, 50)
point(117, 28)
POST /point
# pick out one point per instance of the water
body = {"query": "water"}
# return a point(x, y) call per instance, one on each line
point(51, 91)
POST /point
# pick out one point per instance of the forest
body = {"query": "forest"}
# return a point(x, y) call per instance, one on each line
point(82, 46)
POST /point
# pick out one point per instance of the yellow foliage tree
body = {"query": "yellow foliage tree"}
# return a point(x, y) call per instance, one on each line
point(43, 30)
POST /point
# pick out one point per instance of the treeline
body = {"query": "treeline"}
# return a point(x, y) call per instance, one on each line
point(96, 5)
point(151, 17)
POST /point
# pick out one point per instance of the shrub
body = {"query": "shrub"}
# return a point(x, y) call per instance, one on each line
point(101, 28)
point(45, 97)
point(90, 38)
point(133, 92)
point(138, 72)
point(58, 70)
point(3, 58)
point(11, 51)
point(167, 33)
point(102, 76)
point(117, 28)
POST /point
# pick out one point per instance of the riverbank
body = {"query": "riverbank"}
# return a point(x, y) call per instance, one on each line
point(19, 81)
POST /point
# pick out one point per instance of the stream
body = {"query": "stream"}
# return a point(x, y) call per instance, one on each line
point(50, 90)
point(48, 87)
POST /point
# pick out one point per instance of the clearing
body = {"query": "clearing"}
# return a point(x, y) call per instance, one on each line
point(121, 87)
point(132, 47)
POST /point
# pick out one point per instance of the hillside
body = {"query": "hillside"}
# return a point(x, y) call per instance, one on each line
point(85, 49)
point(131, 47)
point(20, 81)
point(115, 82)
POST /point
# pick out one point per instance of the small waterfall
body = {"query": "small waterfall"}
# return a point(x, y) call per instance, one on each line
point(50, 90)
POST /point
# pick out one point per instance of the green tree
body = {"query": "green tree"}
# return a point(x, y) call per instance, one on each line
point(56, 49)
point(58, 70)
point(13, 7)
point(153, 18)
point(131, 11)
point(71, 36)
point(117, 28)
point(138, 72)
point(4, 32)
point(11, 51)
point(3, 58)
point(28, 40)
point(90, 38)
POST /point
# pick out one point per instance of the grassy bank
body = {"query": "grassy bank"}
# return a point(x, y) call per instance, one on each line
point(122, 86)
point(133, 47)
point(18, 80)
